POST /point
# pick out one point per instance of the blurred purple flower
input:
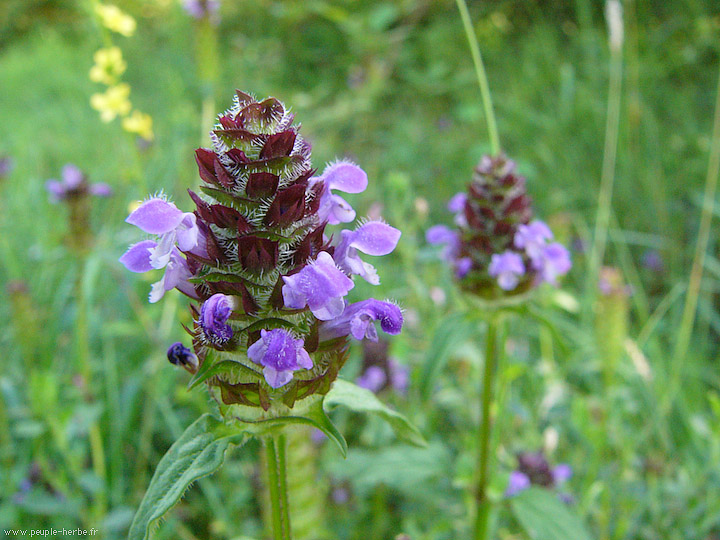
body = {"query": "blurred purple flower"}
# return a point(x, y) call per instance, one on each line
point(373, 379)
point(652, 260)
point(533, 238)
point(202, 8)
point(180, 355)
point(399, 376)
point(280, 354)
point(553, 261)
point(518, 482)
point(74, 183)
point(507, 267)
point(7, 164)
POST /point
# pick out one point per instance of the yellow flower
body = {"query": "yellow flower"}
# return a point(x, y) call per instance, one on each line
point(115, 20)
point(113, 102)
point(140, 124)
point(109, 65)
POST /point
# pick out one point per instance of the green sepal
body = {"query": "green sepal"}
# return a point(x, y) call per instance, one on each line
point(209, 369)
point(198, 452)
point(361, 400)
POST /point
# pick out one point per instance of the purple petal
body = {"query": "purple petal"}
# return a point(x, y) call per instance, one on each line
point(101, 190)
point(507, 267)
point(156, 216)
point(375, 238)
point(457, 202)
point(562, 473)
point(346, 177)
point(214, 314)
point(442, 234)
point(373, 379)
point(275, 378)
point(518, 482)
point(56, 190)
point(72, 176)
point(338, 210)
point(137, 257)
point(187, 232)
point(356, 320)
point(463, 266)
point(280, 354)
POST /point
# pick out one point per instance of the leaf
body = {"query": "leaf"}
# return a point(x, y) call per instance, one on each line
point(545, 517)
point(210, 369)
point(198, 452)
point(454, 330)
point(362, 400)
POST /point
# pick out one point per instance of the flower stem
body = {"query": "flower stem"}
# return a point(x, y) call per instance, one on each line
point(482, 77)
point(482, 504)
point(277, 484)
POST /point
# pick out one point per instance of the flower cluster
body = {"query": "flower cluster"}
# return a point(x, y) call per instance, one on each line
point(381, 371)
point(73, 185)
point(200, 9)
point(496, 248)
point(534, 469)
point(270, 281)
point(109, 66)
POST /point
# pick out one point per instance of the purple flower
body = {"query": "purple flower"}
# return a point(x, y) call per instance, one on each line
point(463, 266)
point(201, 8)
point(357, 320)
point(518, 482)
point(561, 473)
point(214, 314)
point(373, 379)
point(320, 285)
point(280, 354)
point(6, 166)
point(532, 238)
point(372, 238)
point(180, 355)
point(507, 267)
point(161, 217)
point(344, 176)
point(554, 261)
point(138, 259)
point(74, 183)
point(457, 202)
point(399, 376)
point(442, 234)
point(652, 260)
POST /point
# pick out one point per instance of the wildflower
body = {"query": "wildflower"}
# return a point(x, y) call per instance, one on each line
point(112, 103)
point(180, 355)
point(372, 238)
point(140, 124)
point(215, 312)
point(108, 67)
point(161, 217)
point(74, 184)
point(280, 354)
point(271, 288)
point(534, 469)
point(6, 166)
point(651, 259)
point(496, 248)
point(373, 379)
point(200, 9)
point(115, 20)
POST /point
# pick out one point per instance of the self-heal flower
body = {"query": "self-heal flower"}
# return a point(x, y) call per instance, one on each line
point(320, 285)
point(202, 8)
point(373, 379)
point(553, 262)
point(507, 267)
point(533, 238)
point(74, 184)
point(534, 469)
point(517, 482)
point(177, 273)
point(179, 355)
point(163, 218)
point(372, 238)
point(343, 176)
point(214, 314)
point(357, 320)
point(280, 354)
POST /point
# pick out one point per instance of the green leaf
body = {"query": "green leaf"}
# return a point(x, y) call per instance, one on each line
point(362, 400)
point(454, 330)
point(545, 517)
point(198, 452)
point(210, 369)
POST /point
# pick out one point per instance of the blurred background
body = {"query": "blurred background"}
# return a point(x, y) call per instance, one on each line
point(88, 401)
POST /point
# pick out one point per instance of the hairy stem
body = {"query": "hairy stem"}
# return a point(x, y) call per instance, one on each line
point(482, 77)
point(277, 485)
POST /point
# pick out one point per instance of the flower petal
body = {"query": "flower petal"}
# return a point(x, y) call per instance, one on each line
point(375, 238)
point(137, 257)
point(346, 177)
point(156, 216)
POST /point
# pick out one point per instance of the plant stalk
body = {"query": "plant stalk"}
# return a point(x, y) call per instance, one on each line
point(277, 485)
point(482, 504)
point(481, 76)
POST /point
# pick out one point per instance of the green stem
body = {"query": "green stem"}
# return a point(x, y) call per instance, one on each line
point(482, 504)
point(482, 77)
point(693, 293)
point(607, 176)
point(277, 484)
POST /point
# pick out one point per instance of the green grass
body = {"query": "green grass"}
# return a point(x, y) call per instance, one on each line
point(391, 85)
